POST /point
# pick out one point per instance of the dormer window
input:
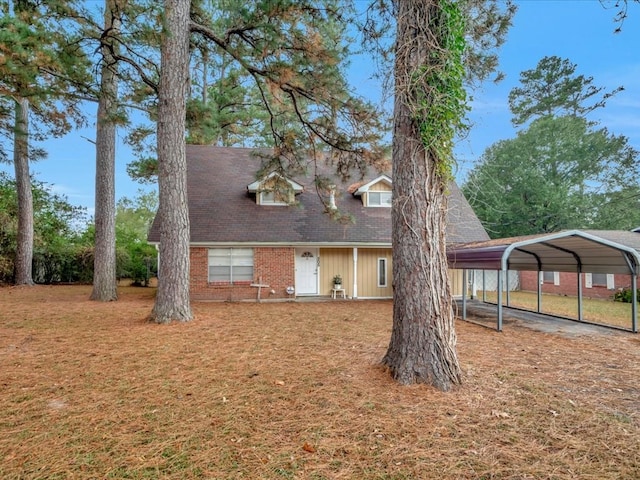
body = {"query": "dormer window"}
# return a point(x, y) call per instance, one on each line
point(379, 199)
point(275, 190)
point(272, 197)
point(376, 193)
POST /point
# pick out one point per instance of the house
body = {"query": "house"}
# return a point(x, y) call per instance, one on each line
point(594, 285)
point(272, 236)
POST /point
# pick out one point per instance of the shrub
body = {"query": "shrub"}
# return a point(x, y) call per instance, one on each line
point(625, 295)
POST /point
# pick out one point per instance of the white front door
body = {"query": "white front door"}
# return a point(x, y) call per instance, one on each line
point(307, 262)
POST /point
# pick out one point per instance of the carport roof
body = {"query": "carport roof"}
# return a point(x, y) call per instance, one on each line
point(592, 251)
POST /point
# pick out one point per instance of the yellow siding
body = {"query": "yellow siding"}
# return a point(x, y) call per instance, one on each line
point(368, 273)
point(340, 261)
point(380, 187)
point(455, 278)
point(334, 261)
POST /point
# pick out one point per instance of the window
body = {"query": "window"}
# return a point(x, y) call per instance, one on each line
point(382, 272)
point(271, 197)
point(379, 199)
point(551, 277)
point(231, 265)
point(599, 280)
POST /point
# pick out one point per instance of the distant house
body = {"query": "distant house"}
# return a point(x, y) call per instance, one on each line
point(594, 285)
point(273, 235)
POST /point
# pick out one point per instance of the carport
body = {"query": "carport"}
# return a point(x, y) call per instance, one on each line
point(579, 251)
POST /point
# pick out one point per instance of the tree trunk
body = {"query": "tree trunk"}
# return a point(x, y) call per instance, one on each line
point(172, 300)
point(422, 345)
point(104, 263)
point(24, 250)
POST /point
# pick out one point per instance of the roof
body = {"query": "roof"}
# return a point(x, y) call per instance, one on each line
point(222, 210)
point(592, 251)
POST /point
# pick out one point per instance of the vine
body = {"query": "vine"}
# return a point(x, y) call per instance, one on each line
point(438, 85)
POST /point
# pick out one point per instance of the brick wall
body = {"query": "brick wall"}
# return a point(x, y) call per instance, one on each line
point(275, 265)
point(569, 285)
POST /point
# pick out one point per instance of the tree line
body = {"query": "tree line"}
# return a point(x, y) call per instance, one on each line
point(63, 250)
point(562, 170)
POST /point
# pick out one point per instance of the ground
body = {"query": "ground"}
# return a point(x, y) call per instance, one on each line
point(295, 390)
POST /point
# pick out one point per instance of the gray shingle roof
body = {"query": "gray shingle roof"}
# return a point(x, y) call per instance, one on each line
point(222, 210)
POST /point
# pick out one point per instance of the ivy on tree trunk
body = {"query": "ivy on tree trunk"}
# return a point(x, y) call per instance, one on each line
point(429, 104)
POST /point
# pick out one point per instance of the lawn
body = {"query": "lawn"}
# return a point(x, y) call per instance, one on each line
point(295, 391)
point(602, 311)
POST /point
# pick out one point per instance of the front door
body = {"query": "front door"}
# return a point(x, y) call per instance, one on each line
point(307, 271)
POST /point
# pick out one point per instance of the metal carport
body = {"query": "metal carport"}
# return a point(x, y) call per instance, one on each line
point(579, 251)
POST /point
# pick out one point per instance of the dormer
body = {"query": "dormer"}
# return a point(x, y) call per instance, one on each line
point(376, 193)
point(275, 190)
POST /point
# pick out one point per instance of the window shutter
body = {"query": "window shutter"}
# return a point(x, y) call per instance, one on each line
point(588, 280)
point(556, 278)
point(611, 281)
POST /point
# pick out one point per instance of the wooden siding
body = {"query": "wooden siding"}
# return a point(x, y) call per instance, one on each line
point(455, 280)
point(380, 187)
point(368, 273)
point(376, 187)
point(334, 261)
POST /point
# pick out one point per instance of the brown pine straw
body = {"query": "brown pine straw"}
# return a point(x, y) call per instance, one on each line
point(294, 390)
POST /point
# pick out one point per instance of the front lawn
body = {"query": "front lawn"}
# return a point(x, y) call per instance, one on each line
point(605, 312)
point(295, 391)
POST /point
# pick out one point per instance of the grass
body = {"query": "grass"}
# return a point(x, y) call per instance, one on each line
point(605, 312)
point(295, 391)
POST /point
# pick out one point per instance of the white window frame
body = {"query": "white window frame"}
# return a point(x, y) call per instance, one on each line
point(240, 258)
point(556, 277)
point(382, 270)
point(384, 199)
point(265, 200)
point(610, 282)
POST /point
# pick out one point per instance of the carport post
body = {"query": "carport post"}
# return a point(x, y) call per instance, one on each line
point(499, 300)
point(539, 291)
point(579, 282)
point(464, 293)
point(508, 293)
point(634, 303)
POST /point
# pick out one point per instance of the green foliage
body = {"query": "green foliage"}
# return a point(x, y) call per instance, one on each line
point(441, 105)
point(561, 171)
point(43, 61)
point(271, 74)
point(136, 259)
point(554, 89)
point(626, 295)
point(61, 254)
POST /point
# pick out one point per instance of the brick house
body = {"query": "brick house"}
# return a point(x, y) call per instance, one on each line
point(594, 285)
point(275, 232)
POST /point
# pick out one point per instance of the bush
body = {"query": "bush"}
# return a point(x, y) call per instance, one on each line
point(625, 295)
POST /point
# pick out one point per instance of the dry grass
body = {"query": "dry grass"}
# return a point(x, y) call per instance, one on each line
point(294, 390)
point(605, 312)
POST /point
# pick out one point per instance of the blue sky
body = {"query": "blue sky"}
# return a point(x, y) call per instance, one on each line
point(580, 30)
